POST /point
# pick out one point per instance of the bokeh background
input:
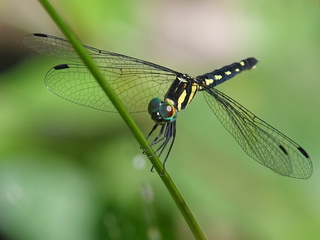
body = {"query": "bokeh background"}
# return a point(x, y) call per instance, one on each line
point(69, 172)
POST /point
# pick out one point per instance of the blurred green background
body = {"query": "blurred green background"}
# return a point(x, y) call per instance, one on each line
point(69, 172)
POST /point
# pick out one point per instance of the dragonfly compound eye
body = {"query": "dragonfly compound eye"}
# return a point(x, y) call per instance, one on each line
point(154, 105)
point(167, 112)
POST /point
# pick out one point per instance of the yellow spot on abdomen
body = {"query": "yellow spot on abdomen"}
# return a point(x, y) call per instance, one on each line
point(209, 81)
point(237, 70)
point(227, 73)
point(242, 63)
point(217, 77)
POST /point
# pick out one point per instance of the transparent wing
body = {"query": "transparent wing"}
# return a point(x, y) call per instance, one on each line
point(258, 139)
point(135, 81)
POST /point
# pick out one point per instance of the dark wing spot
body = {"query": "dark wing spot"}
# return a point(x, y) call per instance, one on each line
point(304, 153)
point(40, 35)
point(283, 149)
point(61, 66)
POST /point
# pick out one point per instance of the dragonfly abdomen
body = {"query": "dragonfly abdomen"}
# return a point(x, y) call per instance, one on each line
point(223, 74)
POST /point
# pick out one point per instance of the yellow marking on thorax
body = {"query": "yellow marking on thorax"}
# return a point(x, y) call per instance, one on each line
point(169, 101)
point(194, 89)
point(242, 63)
point(209, 81)
point(217, 77)
point(181, 99)
point(227, 73)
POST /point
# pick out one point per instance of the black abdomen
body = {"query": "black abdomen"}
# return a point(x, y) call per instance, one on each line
point(220, 75)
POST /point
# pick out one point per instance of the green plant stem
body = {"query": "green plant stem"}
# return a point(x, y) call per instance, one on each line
point(175, 194)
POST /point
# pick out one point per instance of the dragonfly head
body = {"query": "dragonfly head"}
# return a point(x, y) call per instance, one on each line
point(162, 112)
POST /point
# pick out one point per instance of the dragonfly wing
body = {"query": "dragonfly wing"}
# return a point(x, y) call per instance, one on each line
point(61, 48)
point(134, 87)
point(258, 139)
point(53, 46)
point(135, 81)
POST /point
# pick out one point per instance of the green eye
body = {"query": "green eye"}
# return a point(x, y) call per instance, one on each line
point(154, 105)
point(167, 111)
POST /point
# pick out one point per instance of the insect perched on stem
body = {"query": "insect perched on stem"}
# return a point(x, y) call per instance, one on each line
point(139, 82)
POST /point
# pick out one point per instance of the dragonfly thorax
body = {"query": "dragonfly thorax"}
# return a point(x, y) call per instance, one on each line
point(162, 112)
point(182, 91)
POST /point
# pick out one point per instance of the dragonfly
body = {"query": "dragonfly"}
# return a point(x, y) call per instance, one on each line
point(144, 86)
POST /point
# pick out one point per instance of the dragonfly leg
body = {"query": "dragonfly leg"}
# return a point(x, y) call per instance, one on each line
point(173, 137)
point(160, 136)
point(165, 138)
point(150, 133)
point(155, 141)
point(168, 139)
point(152, 130)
